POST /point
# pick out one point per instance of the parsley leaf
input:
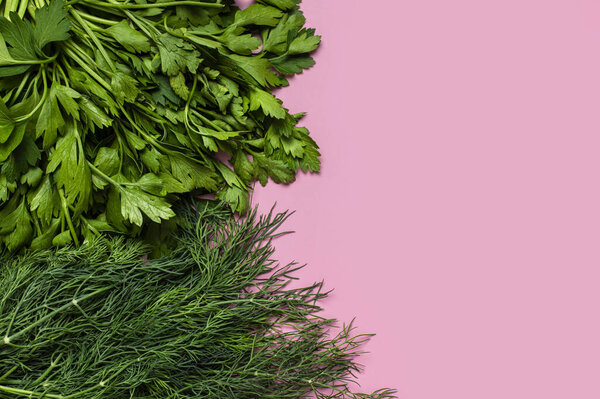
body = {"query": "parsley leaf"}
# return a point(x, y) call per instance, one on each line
point(50, 119)
point(177, 56)
point(109, 114)
point(258, 14)
point(256, 68)
point(20, 35)
point(270, 105)
point(135, 201)
point(129, 38)
point(51, 24)
point(7, 123)
point(15, 227)
point(281, 4)
point(306, 42)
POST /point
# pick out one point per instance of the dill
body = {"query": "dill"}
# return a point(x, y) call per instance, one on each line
point(215, 318)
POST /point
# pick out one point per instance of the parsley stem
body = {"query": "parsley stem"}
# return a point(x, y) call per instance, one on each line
point(62, 73)
point(152, 5)
point(36, 224)
point(42, 101)
point(82, 54)
point(88, 69)
point(139, 24)
point(94, 18)
point(92, 35)
point(10, 6)
point(200, 33)
point(21, 85)
point(207, 121)
point(144, 134)
point(6, 62)
point(150, 114)
point(22, 9)
point(186, 110)
point(92, 228)
point(63, 203)
point(107, 178)
point(103, 175)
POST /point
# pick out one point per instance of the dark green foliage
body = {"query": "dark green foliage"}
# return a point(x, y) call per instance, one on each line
point(213, 319)
point(110, 110)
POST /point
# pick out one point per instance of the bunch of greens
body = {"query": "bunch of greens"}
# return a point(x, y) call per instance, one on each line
point(112, 110)
point(213, 319)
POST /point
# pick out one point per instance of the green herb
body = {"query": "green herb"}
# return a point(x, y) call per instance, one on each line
point(110, 111)
point(213, 319)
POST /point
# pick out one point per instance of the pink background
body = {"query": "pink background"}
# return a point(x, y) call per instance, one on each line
point(458, 212)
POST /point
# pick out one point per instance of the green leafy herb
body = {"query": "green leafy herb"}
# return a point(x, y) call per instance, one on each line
point(99, 99)
point(213, 319)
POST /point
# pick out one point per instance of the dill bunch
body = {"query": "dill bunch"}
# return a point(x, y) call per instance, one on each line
point(215, 318)
point(111, 110)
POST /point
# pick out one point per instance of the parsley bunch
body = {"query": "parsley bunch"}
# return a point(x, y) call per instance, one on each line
point(110, 111)
point(212, 319)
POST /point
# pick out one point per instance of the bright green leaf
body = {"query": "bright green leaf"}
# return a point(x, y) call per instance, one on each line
point(51, 24)
point(135, 203)
point(268, 102)
point(258, 14)
point(108, 160)
point(304, 43)
point(13, 142)
point(130, 38)
point(177, 55)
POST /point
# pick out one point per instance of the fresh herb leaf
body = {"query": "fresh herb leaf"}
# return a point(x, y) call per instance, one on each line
point(135, 201)
point(19, 34)
point(50, 119)
point(177, 56)
point(129, 38)
point(258, 14)
point(51, 24)
point(7, 123)
point(269, 103)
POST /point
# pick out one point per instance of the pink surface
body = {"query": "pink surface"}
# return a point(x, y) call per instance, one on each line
point(458, 212)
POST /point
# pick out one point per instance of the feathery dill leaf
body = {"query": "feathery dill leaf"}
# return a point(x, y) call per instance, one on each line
point(215, 318)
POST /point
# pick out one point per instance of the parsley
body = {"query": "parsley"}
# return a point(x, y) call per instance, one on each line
point(110, 112)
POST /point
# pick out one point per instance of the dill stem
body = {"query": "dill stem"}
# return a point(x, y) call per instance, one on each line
point(54, 312)
point(29, 394)
point(53, 364)
point(8, 373)
point(76, 394)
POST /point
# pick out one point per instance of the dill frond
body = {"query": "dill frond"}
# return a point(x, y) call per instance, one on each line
point(215, 318)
